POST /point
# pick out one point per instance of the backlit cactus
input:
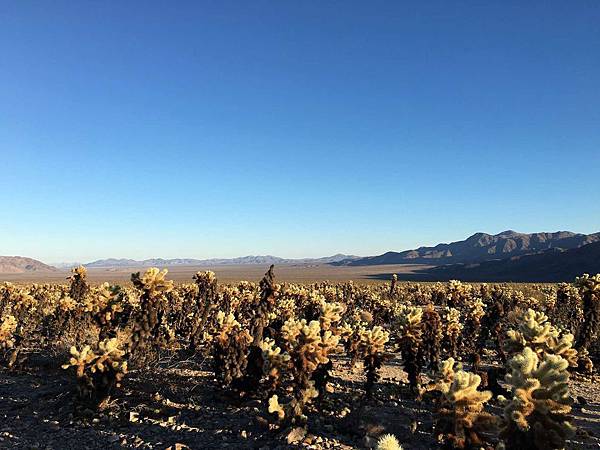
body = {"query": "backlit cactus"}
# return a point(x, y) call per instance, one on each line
point(536, 416)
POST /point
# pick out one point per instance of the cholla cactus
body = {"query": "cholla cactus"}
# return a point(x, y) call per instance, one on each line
point(462, 417)
point(388, 442)
point(568, 309)
point(444, 376)
point(534, 331)
point(230, 349)
point(536, 416)
point(307, 344)
point(147, 320)
point(393, 285)
point(409, 327)
point(293, 411)
point(371, 349)
point(589, 288)
point(205, 300)
point(474, 311)
point(105, 304)
point(8, 327)
point(331, 313)
point(79, 287)
point(453, 329)
point(153, 282)
point(432, 336)
point(309, 347)
point(274, 362)
point(98, 372)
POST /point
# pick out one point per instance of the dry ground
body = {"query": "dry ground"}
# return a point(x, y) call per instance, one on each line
point(299, 273)
point(182, 405)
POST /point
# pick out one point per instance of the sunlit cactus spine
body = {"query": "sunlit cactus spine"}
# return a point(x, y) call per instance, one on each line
point(148, 317)
point(99, 371)
point(589, 289)
point(533, 330)
point(536, 417)
point(388, 442)
point(409, 328)
point(206, 300)
point(8, 327)
point(79, 286)
point(463, 422)
point(371, 349)
point(432, 336)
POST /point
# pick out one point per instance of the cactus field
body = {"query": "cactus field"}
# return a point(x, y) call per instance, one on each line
point(328, 365)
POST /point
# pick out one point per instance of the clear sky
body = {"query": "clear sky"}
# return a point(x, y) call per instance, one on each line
point(293, 128)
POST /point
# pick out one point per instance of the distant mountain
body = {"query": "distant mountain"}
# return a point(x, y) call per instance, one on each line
point(481, 247)
point(550, 266)
point(243, 260)
point(20, 264)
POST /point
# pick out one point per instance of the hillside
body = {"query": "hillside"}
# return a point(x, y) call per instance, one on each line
point(244, 260)
point(482, 247)
point(550, 266)
point(19, 264)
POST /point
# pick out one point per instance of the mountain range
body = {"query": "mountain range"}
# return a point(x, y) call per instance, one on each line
point(481, 247)
point(243, 260)
point(550, 266)
point(20, 264)
point(506, 256)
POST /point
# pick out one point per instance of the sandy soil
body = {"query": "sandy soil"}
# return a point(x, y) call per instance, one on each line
point(182, 405)
point(300, 273)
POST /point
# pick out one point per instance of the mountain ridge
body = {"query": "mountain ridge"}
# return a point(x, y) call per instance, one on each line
point(242, 260)
point(552, 265)
point(481, 247)
point(22, 264)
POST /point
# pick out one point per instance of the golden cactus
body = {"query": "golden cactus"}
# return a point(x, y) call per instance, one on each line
point(330, 313)
point(537, 414)
point(8, 326)
point(462, 419)
point(533, 330)
point(388, 442)
point(153, 282)
point(98, 372)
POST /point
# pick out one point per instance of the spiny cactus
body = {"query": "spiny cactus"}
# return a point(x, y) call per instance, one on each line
point(292, 412)
point(432, 336)
point(106, 305)
point(275, 362)
point(452, 332)
point(230, 350)
point(388, 442)
point(474, 311)
point(393, 285)
point(371, 349)
point(79, 287)
point(533, 330)
point(463, 421)
point(98, 372)
point(568, 309)
point(409, 327)
point(205, 300)
point(589, 289)
point(309, 347)
point(146, 334)
point(8, 326)
point(536, 417)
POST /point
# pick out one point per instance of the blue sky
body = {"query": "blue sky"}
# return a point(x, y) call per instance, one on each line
point(220, 129)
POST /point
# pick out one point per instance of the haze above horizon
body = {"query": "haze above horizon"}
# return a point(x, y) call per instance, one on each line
point(222, 129)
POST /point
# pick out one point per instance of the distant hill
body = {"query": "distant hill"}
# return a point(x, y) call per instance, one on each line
point(19, 264)
point(550, 266)
point(481, 247)
point(264, 260)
